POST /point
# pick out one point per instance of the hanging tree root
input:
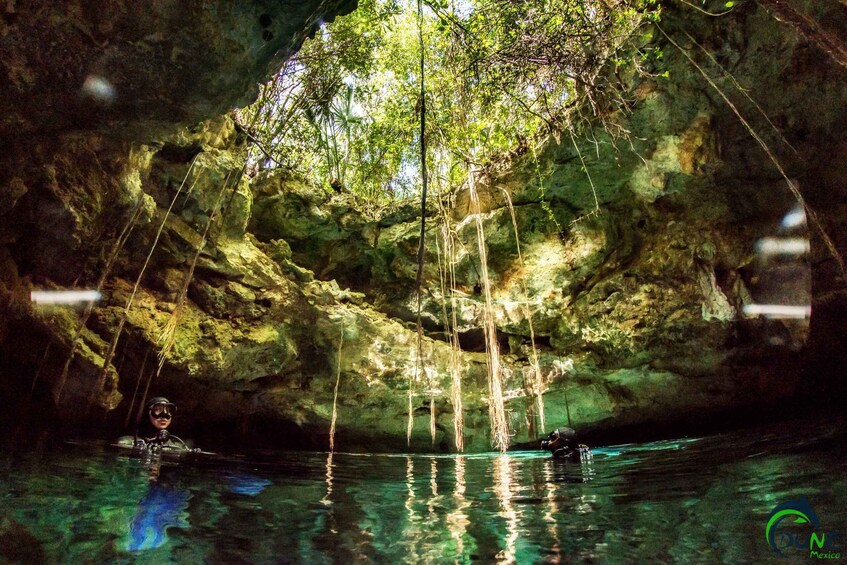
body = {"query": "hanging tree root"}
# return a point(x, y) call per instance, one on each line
point(137, 386)
point(167, 338)
point(811, 214)
point(785, 11)
point(447, 276)
point(107, 269)
point(742, 90)
point(536, 382)
point(496, 408)
point(419, 276)
point(335, 393)
point(107, 360)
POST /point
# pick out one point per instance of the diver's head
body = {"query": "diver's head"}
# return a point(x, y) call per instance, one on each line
point(561, 438)
point(161, 411)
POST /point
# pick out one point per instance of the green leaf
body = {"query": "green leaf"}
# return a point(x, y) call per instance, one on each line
point(496, 72)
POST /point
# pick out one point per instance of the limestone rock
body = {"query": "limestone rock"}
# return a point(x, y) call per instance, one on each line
point(638, 258)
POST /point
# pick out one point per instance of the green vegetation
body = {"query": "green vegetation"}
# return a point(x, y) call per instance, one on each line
point(499, 74)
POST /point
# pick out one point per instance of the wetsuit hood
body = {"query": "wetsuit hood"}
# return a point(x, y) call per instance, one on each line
point(161, 400)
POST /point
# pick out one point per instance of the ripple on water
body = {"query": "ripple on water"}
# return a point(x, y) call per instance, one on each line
point(691, 500)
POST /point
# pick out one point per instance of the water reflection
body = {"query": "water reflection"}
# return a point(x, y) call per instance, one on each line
point(503, 489)
point(457, 519)
point(248, 484)
point(686, 501)
point(551, 508)
point(412, 518)
point(163, 507)
point(327, 499)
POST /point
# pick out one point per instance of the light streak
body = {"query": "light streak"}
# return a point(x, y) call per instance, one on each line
point(64, 296)
point(783, 246)
point(778, 311)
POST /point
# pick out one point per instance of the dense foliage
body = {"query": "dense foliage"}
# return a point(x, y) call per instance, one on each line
point(345, 111)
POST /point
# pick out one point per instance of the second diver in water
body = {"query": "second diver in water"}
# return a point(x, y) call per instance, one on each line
point(564, 445)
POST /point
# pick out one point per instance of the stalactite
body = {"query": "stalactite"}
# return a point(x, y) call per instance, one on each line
point(496, 408)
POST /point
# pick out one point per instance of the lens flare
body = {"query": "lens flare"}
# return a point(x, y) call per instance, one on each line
point(64, 296)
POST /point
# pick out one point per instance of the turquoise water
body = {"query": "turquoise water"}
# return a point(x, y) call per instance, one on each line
point(695, 500)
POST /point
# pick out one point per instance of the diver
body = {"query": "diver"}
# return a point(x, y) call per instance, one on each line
point(155, 438)
point(564, 444)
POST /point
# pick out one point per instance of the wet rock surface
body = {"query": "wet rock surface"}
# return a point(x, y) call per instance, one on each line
point(633, 274)
point(135, 69)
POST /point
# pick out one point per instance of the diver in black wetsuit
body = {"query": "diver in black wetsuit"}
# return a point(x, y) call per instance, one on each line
point(564, 445)
point(165, 504)
point(155, 437)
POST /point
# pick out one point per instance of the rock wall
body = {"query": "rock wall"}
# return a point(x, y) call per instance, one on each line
point(137, 69)
point(636, 305)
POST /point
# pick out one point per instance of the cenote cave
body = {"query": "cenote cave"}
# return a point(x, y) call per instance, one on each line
point(364, 257)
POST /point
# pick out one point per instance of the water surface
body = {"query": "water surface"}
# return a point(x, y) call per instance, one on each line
point(692, 500)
